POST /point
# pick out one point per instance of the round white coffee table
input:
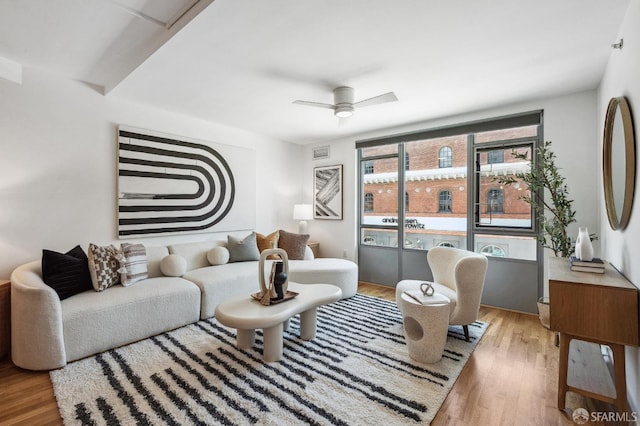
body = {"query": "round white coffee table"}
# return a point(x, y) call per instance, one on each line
point(247, 314)
point(425, 328)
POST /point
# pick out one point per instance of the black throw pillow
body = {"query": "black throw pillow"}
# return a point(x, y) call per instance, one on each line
point(67, 273)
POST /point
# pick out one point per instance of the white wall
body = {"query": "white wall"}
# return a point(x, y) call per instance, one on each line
point(621, 248)
point(569, 122)
point(58, 148)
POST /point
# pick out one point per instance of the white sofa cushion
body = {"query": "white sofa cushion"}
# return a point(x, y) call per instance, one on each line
point(221, 282)
point(339, 272)
point(95, 322)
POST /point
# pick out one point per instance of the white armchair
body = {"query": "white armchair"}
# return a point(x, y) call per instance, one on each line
point(459, 275)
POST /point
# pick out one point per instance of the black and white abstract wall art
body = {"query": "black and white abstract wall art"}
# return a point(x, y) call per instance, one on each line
point(327, 199)
point(169, 184)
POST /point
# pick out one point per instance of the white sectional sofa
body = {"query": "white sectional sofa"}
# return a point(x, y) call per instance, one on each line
point(47, 333)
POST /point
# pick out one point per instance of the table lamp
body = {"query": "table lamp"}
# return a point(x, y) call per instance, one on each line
point(302, 212)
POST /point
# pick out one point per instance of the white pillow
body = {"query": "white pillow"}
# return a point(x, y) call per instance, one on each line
point(218, 256)
point(173, 265)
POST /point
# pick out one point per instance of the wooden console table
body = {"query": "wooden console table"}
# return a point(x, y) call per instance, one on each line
point(597, 308)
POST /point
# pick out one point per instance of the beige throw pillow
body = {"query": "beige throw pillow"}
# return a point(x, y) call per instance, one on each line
point(293, 244)
point(266, 242)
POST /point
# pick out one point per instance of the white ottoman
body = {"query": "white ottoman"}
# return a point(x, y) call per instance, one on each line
point(425, 328)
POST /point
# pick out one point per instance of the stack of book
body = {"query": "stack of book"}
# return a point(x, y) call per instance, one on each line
point(595, 265)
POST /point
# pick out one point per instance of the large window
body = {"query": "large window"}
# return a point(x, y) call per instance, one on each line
point(445, 183)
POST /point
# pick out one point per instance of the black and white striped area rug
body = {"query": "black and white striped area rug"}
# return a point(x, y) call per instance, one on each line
point(356, 371)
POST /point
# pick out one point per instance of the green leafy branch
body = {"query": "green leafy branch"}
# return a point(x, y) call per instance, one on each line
point(547, 178)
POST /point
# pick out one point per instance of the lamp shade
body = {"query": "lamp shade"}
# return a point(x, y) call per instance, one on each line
point(302, 212)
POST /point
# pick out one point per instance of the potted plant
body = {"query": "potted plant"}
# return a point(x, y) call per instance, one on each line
point(554, 212)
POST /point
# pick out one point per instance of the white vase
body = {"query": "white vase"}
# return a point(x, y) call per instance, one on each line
point(584, 248)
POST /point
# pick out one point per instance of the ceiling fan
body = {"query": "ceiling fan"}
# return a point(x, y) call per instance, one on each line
point(343, 104)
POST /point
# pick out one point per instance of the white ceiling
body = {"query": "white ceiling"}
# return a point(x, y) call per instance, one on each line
point(243, 62)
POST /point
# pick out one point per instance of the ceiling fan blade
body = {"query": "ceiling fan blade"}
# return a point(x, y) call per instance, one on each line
point(315, 104)
point(380, 99)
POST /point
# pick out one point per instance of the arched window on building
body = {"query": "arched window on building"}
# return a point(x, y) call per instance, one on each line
point(445, 157)
point(446, 244)
point(495, 201)
point(493, 250)
point(368, 202)
point(406, 161)
point(444, 201)
point(495, 156)
point(368, 167)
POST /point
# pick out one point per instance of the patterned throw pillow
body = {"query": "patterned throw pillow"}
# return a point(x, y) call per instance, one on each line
point(104, 266)
point(133, 264)
point(243, 249)
point(268, 241)
point(294, 244)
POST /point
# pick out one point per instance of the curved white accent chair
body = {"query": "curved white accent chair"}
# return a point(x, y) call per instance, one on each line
point(459, 275)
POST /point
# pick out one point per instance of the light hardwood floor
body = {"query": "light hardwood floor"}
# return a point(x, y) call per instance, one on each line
point(510, 379)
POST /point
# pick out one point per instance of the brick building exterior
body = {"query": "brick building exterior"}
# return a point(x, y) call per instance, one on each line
point(436, 183)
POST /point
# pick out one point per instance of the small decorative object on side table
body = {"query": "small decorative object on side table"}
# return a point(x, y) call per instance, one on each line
point(5, 317)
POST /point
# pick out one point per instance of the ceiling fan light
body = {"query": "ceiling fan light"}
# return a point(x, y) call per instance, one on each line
point(344, 111)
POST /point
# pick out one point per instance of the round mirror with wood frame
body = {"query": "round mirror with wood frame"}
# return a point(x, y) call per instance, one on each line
point(618, 162)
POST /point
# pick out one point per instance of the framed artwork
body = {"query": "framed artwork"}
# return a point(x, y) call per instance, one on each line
point(321, 152)
point(172, 184)
point(327, 192)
